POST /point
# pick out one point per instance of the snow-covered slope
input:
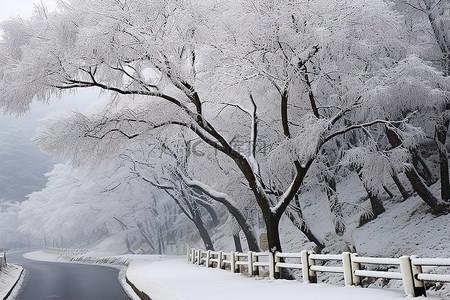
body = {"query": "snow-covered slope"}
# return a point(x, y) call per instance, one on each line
point(405, 228)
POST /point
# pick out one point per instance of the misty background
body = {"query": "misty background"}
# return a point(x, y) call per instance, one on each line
point(22, 165)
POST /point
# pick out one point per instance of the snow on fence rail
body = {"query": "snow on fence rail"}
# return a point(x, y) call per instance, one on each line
point(408, 269)
point(417, 265)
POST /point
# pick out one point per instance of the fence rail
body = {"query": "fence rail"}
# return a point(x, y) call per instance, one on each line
point(408, 269)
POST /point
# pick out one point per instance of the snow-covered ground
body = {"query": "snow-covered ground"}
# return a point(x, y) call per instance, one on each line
point(171, 277)
point(8, 277)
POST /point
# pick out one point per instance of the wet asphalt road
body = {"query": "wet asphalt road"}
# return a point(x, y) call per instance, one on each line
point(57, 281)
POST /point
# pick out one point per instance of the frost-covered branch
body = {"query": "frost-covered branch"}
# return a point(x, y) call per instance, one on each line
point(362, 125)
point(254, 132)
point(218, 196)
point(240, 107)
point(128, 136)
point(416, 7)
point(284, 200)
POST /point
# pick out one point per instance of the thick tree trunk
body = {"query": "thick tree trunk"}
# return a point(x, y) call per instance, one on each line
point(237, 242)
point(273, 237)
point(441, 138)
point(375, 202)
point(418, 185)
point(211, 211)
point(236, 213)
point(245, 226)
point(424, 193)
point(425, 172)
point(203, 231)
point(195, 217)
point(388, 191)
point(400, 187)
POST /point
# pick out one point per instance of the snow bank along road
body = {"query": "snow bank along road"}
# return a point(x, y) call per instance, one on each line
point(169, 278)
point(49, 280)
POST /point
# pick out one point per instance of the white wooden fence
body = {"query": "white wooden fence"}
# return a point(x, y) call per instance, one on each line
point(66, 252)
point(3, 261)
point(408, 269)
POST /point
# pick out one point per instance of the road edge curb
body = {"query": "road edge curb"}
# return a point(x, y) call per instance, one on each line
point(138, 292)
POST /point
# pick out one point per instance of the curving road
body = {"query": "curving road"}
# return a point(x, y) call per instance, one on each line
point(49, 280)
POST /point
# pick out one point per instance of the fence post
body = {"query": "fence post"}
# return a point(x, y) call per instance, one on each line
point(355, 266)
point(208, 258)
point(255, 268)
point(277, 259)
point(219, 259)
point(199, 257)
point(347, 264)
point(271, 266)
point(250, 263)
point(419, 287)
point(305, 269)
point(233, 262)
point(4, 264)
point(188, 250)
point(193, 256)
point(312, 274)
point(308, 274)
point(407, 275)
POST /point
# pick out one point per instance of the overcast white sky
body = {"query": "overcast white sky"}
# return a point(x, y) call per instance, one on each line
point(22, 165)
point(24, 8)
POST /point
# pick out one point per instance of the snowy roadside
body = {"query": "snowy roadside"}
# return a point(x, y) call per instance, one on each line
point(9, 277)
point(171, 278)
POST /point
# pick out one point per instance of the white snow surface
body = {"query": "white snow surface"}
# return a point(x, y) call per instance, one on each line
point(8, 277)
point(173, 278)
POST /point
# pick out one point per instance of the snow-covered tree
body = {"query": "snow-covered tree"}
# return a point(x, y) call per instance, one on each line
point(295, 74)
point(428, 22)
point(9, 223)
point(80, 208)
